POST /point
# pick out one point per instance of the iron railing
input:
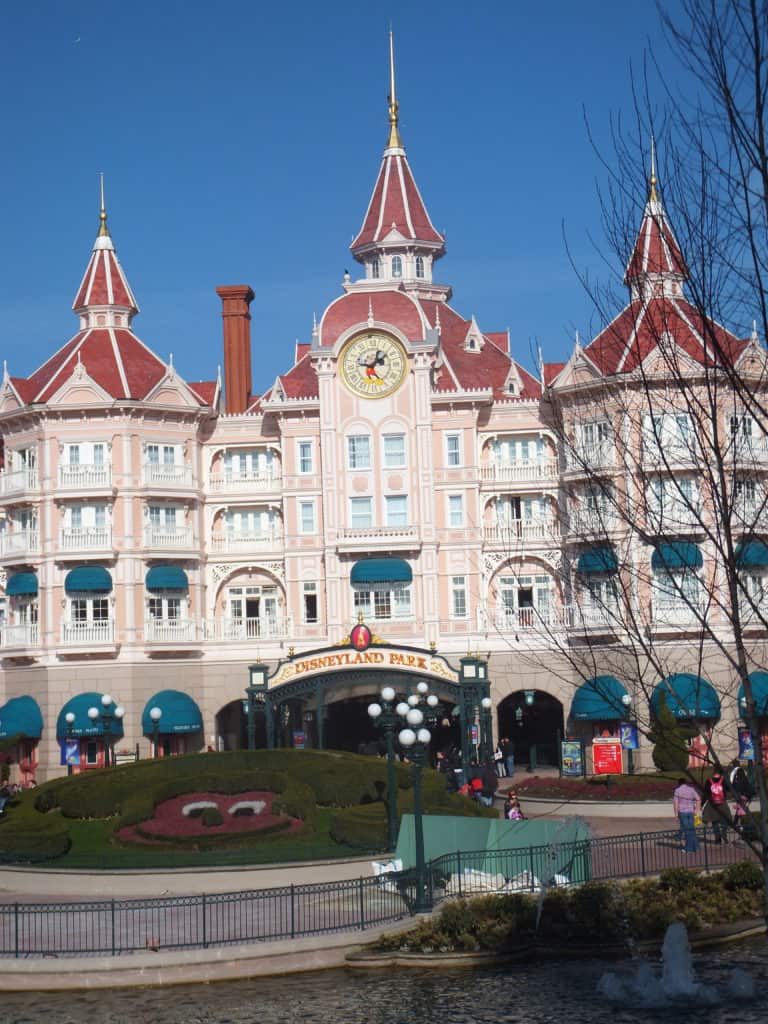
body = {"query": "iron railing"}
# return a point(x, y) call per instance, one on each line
point(120, 926)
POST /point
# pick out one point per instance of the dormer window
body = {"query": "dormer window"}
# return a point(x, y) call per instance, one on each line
point(511, 386)
point(397, 266)
point(375, 268)
point(472, 345)
point(420, 266)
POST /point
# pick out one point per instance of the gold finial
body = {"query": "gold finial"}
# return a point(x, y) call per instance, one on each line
point(652, 194)
point(103, 229)
point(395, 142)
point(360, 618)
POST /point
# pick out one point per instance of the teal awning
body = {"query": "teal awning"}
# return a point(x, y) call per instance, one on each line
point(688, 696)
point(21, 583)
point(677, 554)
point(381, 570)
point(179, 713)
point(88, 577)
point(82, 725)
point(599, 700)
point(21, 716)
point(752, 554)
point(598, 559)
point(166, 577)
point(759, 681)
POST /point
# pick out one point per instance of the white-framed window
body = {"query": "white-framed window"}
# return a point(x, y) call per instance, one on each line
point(596, 433)
point(80, 517)
point(742, 427)
point(525, 600)
point(514, 450)
point(250, 522)
point(361, 513)
point(394, 451)
point(164, 517)
point(455, 509)
point(383, 601)
point(304, 456)
point(459, 608)
point(359, 451)
point(310, 607)
point(397, 266)
point(376, 268)
point(166, 606)
point(307, 523)
point(85, 608)
point(672, 501)
point(453, 449)
point(599, 591)
point(85, 453)
point(396, 506)
point(420, 267)
point(163, 454)
point(252, 604)
point(248, 463)
point(680, 588)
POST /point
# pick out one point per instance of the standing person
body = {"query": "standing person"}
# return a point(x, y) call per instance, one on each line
point(498, 762)
point(687, 805)
point(716, 811)
point(507, 748)
point(488, 784)
point(738, 783)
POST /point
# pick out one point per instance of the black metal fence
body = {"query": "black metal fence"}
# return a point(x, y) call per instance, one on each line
point(127, 925)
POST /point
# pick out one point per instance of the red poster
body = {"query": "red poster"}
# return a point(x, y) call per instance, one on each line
point(606, 757)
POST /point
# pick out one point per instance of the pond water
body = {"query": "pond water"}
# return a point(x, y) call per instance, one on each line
point(537, 993)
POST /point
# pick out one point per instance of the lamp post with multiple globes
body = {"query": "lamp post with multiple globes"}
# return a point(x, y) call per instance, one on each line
point(107, 714)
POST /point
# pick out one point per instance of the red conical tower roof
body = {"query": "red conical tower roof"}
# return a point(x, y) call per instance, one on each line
point(104, 283)
point(656, 256)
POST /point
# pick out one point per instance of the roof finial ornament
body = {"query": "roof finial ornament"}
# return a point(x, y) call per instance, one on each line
point(438, 325)
point(5, 371)
point(395, 142)
point(103, 229)
point(755, 337)
point(370, 311)
point(653, 196)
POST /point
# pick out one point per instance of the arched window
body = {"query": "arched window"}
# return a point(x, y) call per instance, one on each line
point(375, 268)
point(419, 266)
point(397, 266)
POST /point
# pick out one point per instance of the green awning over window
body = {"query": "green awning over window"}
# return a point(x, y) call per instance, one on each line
point(179, 713)
point(677, 554)
point(598, 559)
point(381, 570)
point(21, 583)
point(753, 554)
point(687, 696)
point(759, 681)
point(166, 577)
point(599, 700)
point(88, 577)
point(21, 716)
point(82, 725)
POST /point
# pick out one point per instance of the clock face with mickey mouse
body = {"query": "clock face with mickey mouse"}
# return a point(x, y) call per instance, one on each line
point(373, 364)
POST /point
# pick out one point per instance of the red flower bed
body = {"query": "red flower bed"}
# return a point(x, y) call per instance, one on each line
point(169, 821)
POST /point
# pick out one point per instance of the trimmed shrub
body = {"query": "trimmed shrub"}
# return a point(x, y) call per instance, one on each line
point(746, 874)
point(211, 816)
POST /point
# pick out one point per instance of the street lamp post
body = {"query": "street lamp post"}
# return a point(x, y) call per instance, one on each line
point(155, 714)
point(107, 716)
point(69, 718)
point(486, 743)
point(257, 684)
point(385, 716)
point(415, 738)
point(626, 700)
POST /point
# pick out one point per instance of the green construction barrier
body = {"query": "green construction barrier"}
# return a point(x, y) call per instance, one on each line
point(513, 849)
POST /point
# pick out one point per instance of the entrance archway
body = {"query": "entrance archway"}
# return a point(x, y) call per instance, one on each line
point(232, 727)
point(539, 725)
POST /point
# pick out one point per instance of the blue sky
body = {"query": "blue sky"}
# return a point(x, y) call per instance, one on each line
point(240, 142)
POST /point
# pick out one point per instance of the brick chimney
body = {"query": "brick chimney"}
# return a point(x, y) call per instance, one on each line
point(235, 300)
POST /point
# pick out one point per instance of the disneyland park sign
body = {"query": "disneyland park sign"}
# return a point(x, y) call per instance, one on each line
point(381, 658)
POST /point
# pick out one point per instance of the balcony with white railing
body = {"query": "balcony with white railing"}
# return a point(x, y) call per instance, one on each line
point(85, 477)
point(265, 628)
point(670, 452)
point(162, 477)
point(592, 522)
point(243, 543)
point(171, 632)
point(88, 635)
point(17, 482)
point(379, 538)
point(19, 544)
point(586, 617)
point(83, 539)
point(590, 457)
point(754, 614)
point(750, 450)
point(517, 531)
point(169, 538)
point(535, 621)
point(246, 483)
point(20, 637)
point(525, 471)
point(677, 614)
point(674, 518)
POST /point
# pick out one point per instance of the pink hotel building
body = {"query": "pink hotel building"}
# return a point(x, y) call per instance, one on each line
point(160, 535)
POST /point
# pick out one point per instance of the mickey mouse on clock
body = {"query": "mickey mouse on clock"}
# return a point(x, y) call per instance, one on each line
point(373, 364)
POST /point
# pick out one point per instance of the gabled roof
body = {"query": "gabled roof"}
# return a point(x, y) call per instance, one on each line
point(301, 380)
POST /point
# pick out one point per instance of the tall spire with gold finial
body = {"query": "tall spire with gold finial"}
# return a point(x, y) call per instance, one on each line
point(395, 142)
point(103, 229)
point(652, 194)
